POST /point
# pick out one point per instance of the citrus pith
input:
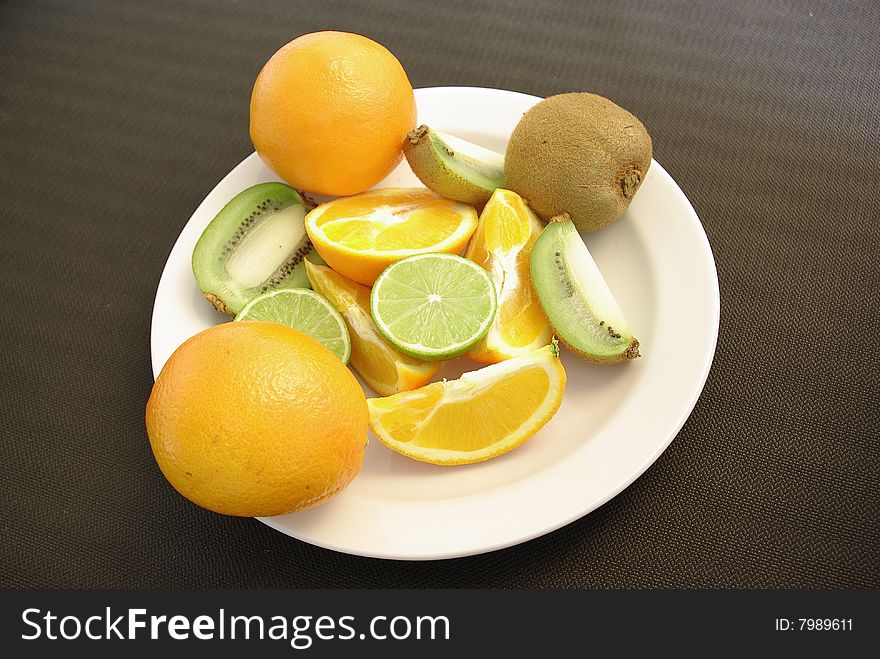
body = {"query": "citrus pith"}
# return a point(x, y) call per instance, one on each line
point(502, 244)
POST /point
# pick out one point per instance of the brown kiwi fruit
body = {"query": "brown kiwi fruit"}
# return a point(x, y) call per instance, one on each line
point(580, 154)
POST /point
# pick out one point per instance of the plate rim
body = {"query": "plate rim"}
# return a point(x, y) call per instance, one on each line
point(712, 312)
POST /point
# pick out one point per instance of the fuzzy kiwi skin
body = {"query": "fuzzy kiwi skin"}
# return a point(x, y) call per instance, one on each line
point(581, 320)
point(581, 154)
point(428, 156)
point(631, 352)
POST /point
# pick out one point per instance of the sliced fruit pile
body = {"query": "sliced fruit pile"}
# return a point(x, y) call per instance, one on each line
point(360, 236)
point(386, 370)
point(392, 294)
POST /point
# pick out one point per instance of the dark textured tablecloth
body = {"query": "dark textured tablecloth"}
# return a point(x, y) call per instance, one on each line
point(117, 118)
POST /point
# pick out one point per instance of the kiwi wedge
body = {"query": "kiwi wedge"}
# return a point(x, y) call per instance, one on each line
point(453, 167)
point(576, 298)
point(256, 243)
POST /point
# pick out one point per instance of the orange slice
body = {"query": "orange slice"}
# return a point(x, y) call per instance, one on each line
point(379, 364)
point(479, 416)
point(360, 236)
point(503, 244)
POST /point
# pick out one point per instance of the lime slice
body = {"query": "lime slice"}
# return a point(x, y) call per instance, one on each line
point(303, 310)
point(433, 306)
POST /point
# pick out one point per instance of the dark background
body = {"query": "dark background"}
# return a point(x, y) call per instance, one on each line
point(116, 119)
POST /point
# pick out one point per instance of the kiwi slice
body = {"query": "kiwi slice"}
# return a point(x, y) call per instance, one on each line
point(256, 243)
point(576, 298)
point(453, 167)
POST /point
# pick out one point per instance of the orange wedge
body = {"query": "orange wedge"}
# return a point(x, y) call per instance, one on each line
point(360, 236)
point(479, 416)
point(379, 364)
point(502, 244)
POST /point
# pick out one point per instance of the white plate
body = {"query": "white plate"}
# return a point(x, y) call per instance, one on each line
point(614, 421)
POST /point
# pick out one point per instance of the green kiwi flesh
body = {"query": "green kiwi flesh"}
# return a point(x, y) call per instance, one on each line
point(256, 243)
point(453, 167)
point(576, 298)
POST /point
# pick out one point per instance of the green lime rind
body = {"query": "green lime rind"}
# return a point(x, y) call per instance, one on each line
point(303, 310)
point(433, 306)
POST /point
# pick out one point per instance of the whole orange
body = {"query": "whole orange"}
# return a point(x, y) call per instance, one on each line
point(254, 418)
point(329, 112)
